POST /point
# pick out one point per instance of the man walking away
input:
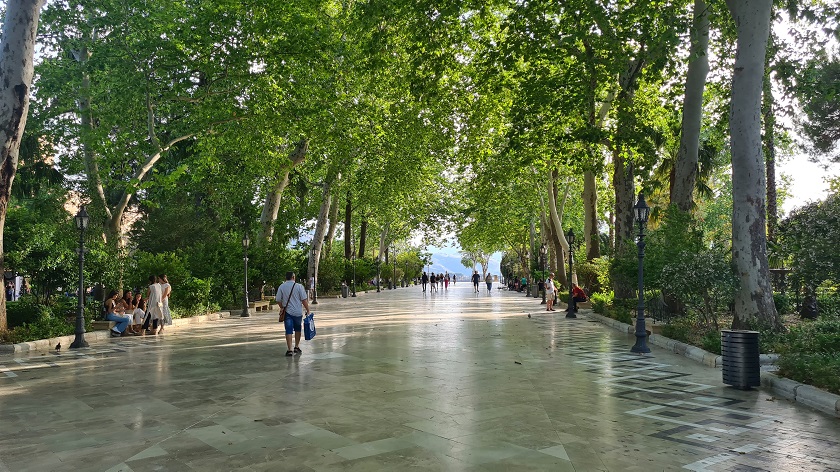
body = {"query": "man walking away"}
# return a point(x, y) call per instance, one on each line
point(475, 280)
point(294, 298)
point(424, 280)
point(489, 280)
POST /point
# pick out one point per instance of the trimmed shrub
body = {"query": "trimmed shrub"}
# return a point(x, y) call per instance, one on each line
point(811, 354)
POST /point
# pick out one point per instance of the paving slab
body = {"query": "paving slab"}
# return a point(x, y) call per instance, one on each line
point(401, 379)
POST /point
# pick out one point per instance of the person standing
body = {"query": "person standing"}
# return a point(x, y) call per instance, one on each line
point(453, 279)
point(424, 280)
point(446, 281)
point(154, 307)
point(293, 297)
point(475, 280)
point(166, 290)
point(549, 293)
point(488, 279)
point(433, 281)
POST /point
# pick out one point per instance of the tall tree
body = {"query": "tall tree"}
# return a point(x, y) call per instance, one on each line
point(754, 300)
point(685, 173)
point(17, 55)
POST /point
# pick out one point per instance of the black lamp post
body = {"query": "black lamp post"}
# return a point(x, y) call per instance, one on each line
point(570, 237)
point(641, 212)
point(527, 288)
point(542, 263)
point(246, 310)
point(82, 219)
point(314, 254)
point(353, 258)
point(378, 275)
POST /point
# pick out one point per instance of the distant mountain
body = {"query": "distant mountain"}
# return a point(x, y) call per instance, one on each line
point(452, 264)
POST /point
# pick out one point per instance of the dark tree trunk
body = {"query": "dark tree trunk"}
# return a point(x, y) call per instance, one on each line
point(348, 228)
point(362, 238)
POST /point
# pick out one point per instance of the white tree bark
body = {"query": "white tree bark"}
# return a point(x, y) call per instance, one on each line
point(271, 206)
point(318, 238)
point(17, 51)
point(685, 169)
point(754, 300)
point(556, 221)
point(383, 241)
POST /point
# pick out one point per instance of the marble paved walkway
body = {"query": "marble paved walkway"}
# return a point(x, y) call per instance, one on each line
point(452, 381)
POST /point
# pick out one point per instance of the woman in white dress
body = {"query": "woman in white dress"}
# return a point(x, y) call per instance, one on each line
point(166, 290)
point(154, 307)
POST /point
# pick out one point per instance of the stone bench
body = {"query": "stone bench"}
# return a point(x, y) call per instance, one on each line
point(259, 306)
point(103, 325)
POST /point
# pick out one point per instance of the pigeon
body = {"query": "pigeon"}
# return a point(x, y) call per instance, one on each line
point(58, 347)
point(529, 315)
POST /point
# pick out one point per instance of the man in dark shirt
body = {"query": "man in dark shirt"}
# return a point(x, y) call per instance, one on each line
point(475, 280)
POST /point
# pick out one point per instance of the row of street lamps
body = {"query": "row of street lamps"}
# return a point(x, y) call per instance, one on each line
point(641, 213)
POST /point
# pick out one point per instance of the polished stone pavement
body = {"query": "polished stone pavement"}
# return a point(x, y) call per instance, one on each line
point(452, 381)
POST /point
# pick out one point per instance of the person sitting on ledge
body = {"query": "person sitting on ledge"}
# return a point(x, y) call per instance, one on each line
point(578, 295)
point(111, 314)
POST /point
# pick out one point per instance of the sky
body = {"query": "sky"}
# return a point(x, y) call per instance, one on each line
point(807, 181)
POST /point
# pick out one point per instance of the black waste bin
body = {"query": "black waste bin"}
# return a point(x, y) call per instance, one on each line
point(741, 363)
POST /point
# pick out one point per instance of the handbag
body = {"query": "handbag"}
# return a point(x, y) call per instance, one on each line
point(309, 327)
point(283, 308)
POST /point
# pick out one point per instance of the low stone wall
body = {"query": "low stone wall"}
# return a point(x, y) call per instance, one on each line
point(96, 336)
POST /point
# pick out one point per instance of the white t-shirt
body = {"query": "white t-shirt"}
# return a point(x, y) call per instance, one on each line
point(549, 286)
point(298, 295)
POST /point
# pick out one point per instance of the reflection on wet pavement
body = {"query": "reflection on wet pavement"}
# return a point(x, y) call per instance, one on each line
point(448, 381)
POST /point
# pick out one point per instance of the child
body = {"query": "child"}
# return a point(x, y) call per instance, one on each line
point(139, 314)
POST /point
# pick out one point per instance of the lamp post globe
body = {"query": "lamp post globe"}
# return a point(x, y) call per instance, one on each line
point(82, 220)
point(314, 255)
point(641, 213)
point(246, 309)
point(570, 238)
point(542, 263)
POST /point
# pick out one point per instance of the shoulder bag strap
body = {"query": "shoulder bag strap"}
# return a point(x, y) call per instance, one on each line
point(294, 286)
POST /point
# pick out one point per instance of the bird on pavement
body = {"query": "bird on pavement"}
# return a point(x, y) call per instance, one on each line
point(58, 347)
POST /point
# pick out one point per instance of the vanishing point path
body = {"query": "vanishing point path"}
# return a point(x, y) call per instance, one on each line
point(452, 381)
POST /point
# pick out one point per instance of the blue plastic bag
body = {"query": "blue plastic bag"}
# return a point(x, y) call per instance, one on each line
point(309, 327)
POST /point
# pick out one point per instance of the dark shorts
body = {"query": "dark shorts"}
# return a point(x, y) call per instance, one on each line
point(293, 324)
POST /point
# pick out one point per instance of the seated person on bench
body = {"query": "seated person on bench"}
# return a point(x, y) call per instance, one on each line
point(578, 295)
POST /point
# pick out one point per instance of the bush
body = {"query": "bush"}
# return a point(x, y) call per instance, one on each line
point(26, 310)
point(679, 330)
point(601, 302)
point(191, 298)
point(828, 305)
point(811, 354)
point(704, 281)
point(594, 275)
point(711, 342)
point(783, 302)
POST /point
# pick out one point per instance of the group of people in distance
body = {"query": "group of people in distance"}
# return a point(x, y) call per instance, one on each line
point(136, 315)
point(437, 280)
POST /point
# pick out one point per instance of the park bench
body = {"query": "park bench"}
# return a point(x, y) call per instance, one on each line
point(103, 325)
point(261, 305)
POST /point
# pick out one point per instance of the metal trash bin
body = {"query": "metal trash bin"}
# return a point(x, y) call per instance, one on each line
point(535, 291)
point(345, 290)
point(741, 362)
